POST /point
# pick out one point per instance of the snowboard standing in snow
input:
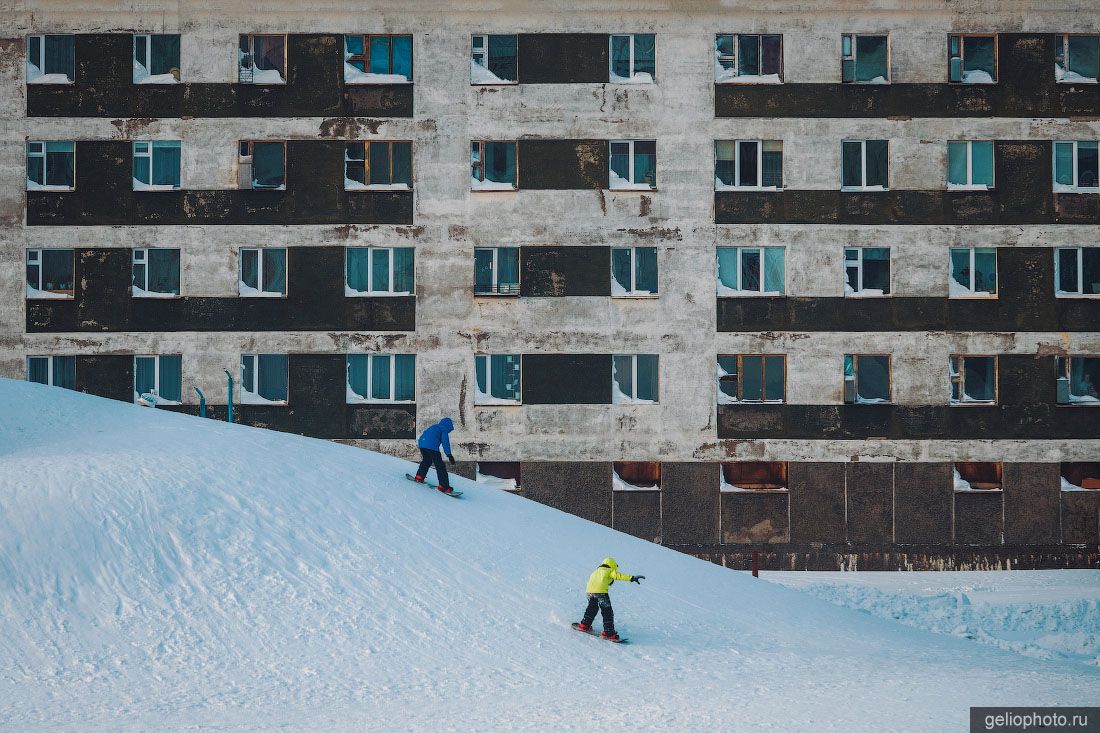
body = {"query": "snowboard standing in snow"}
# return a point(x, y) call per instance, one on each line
point(452, 492)
point(599, 599)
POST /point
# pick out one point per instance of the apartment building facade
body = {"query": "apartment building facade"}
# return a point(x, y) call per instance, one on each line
point(820, 284)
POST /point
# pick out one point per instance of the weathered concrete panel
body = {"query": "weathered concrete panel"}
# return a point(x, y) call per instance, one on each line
point(638, 513)
point(870, 502)
point(923, 496)
point(817, 500)
point(583, 489)
point(690, 503)
point(979, 517)
point(1080, 517)
point(1031, 498)
point(755, 518)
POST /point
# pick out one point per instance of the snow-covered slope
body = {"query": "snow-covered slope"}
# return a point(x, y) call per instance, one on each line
point(162, 572)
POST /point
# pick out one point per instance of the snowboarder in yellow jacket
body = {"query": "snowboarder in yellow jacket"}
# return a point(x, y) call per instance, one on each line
point(598, 599)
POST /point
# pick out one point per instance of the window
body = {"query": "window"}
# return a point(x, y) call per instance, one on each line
point(634, 379)
point(970, 165)
point(973, 272)
point(865, 165)
point(633, 271)
point(379, 59)
point(752, 378)
point(55, 371)
point(866, 379)
point(51, 59)
point(866, 271)
point(1077, 60)
point(635, 476)
point(503, 475)
point(378, 271)
point(973, 379)
point(261, 59)
point(157, 165)
point(498, 379)
point(493, 59)
point(755, 164)
point(50, 273)
point(750, 271)
point(754, 476)
point(264, 379)
point(155, 273)
point(1076, 271)
point(496, 271)
point(156, 58)
point(972, 476)
point(263, 272)
point(1079, 380)
point(972, 59)
point(158, 380)
point(51, 166)
point(633, 58)
point(864, 59)
point(261, 164)
point(381, 378)
point(1080, 476)
point(378, 166)
point(633, 165)
point(748, 58)
point(1075, 167)
point(493, 166)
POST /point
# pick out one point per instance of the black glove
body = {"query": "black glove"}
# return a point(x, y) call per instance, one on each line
point(451, 459)
point(637, 579)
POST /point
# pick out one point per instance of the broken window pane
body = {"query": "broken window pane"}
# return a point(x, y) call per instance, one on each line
point(51, 59)
point(727, 268)
point(979, 60)
point(1087, 170)
point(51, 166)
point(267, 164)
point(493, 166)
point(872, 377)
point(775, 377)
point(877, 163)
point(852, 164)
point(1078, 380)
point(156, 58)
point(1079, 59)
point(155, 272)
point(725, 56)
point(634, 271)
point(867, 271)
point(498, 379)
point(50, 273)
point(864, 59)
point(727, 380)
point(978, 379)
point(725, 158)
point(158, 379)
point(773, 270)
point(748, 54)
point(262, 59)
point(752, 378)
point(634, 378)
point(496, 271)
point(263, 272)
point(493, 59)
point(264, 378)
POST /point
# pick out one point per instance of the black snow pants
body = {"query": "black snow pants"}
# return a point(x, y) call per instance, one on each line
point(601, 602)
point(429, 457)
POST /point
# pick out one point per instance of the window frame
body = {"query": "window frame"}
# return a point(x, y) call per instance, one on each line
point(260, 292)
point(952, 284)
point(479, 164)
point(155, 294)
point(1074, 187)
point(633, 398)
point(856, 399)
point(957, 374)
point(41, 292)
point(50, 371)
point(1063, 42)
point(365, 57)
point(152, 145)
point(512, 290)
point(366, 144)
point(138, 398)
point(854, 57)
point(284, 73)
point(863, 187)
point(1064, 370)
point(371, 292)
point(720, 185)
point(148, 62)
point(43, 155)
point(630, 186)
point(862, 292)
point(41, 60)
point(962, 57)
point(612, 77)
point(258, 399)
point(741, 382)
point(633, 292)
point(970, 185)
point(1080, 292)
point(484, 52)
point(251, 155)
point(490, 400)
point(738, 77)
point(358, 399)
point(742, 293)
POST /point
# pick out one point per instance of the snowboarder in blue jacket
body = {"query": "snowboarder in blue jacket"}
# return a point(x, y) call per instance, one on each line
point(429, 443)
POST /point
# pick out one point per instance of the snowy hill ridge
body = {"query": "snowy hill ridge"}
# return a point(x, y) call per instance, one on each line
point(160, 571)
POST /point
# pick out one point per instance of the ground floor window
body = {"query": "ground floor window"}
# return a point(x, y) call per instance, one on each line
point(633, 271)
point(381, 378)
point(866, 271)
point(974, 476)
point(379, 271)
point(498, 378)
point(754, 476)
point(499, 474)
point(155, 273)
point(56, 371)
point(973, 272)
point(496, 271)
point(636, 476)
point(634, 379)
point(265, 379)
point(1079, 380)
point(263, 272)
point(158, 380)
point(747, 271)
point(973, 379)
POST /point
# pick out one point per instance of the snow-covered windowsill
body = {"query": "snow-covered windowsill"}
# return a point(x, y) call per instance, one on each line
point(247, 291)
point(968, 187)
point(142, 186)
point(863, 189)
point(1063, 188)
point(750, 79)
point(32, 186)
point(350, 293)
point(353, 185)
point(353, 76)
point(482, 186)
point(635, 295)
point(725, 292)
point(251, 398)
point(731, 489)
point(486, 400)
point(36, 294)
point(1064, 294)
point(641, 77)
point(137, 292)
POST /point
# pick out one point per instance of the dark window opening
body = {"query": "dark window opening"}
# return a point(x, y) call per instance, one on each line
point(754, 475)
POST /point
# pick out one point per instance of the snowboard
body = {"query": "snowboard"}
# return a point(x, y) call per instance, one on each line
point(620, 640)
point(453, 494)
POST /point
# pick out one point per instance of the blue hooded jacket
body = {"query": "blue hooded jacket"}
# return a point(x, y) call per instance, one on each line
point(437, 434)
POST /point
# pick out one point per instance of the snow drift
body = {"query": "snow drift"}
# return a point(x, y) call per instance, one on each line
point(160, 572)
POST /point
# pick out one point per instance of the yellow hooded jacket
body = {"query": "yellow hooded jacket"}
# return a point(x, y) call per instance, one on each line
point(606, 574)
